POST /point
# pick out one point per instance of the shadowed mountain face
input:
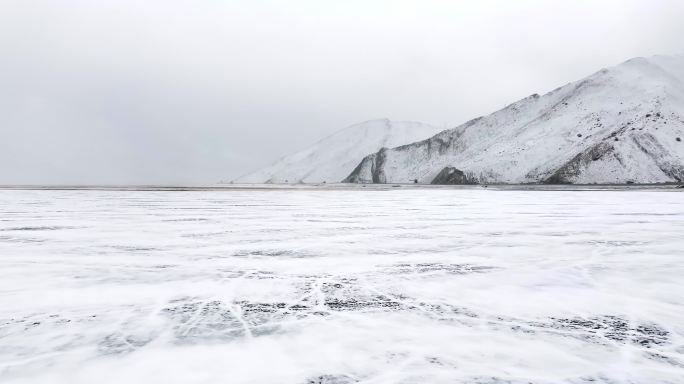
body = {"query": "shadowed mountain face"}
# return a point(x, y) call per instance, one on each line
point(624, 124)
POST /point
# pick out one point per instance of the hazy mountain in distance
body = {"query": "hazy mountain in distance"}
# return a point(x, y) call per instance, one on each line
point(334, 157)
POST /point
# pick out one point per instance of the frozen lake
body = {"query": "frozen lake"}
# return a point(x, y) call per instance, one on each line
point(343, 286)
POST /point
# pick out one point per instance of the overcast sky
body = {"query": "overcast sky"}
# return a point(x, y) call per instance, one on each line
point(196, 91)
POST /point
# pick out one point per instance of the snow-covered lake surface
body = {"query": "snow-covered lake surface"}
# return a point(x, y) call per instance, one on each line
point(341, 286)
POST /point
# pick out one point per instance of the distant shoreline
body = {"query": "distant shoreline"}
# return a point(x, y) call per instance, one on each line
point(349, 186)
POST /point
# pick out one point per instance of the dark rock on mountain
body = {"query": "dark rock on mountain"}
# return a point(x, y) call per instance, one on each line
point(451, 175)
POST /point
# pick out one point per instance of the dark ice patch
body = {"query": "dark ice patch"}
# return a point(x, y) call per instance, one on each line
point(332, 379)
point(495, 380)
point(198, 320)
point(456, 269)
point(38, 228)
point(187, 219)
point(21, 240)
point(353, 304)
point(132, 248)
point(604, 329)
point(30, 322)
point(118, 343)
point(444, 311)
point(659, 357)
point(272, 253)
point(346, 295)
point(614, 243)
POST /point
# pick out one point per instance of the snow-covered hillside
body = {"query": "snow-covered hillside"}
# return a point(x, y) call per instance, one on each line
point(332, 158)
point(620, 125)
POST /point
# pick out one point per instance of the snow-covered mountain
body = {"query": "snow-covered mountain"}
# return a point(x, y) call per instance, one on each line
point(332, 158)
point(620, 125)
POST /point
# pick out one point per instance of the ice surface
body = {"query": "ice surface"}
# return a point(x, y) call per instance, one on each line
point(341, 286)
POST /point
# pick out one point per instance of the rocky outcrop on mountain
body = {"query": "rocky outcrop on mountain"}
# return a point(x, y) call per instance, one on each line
point(451, 175)
point(620, 125)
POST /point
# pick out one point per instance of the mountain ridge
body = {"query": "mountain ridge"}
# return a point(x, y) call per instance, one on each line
point(618, 125)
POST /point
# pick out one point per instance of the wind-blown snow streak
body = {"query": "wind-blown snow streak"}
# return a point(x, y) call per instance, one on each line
point(341, 286)
point(332, 158)
point(619, 125)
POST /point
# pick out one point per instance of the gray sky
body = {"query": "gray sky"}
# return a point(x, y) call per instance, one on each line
point(186, 91)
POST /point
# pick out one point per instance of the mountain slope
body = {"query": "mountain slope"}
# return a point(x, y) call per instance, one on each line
point(332, 158)
point(619, 125)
